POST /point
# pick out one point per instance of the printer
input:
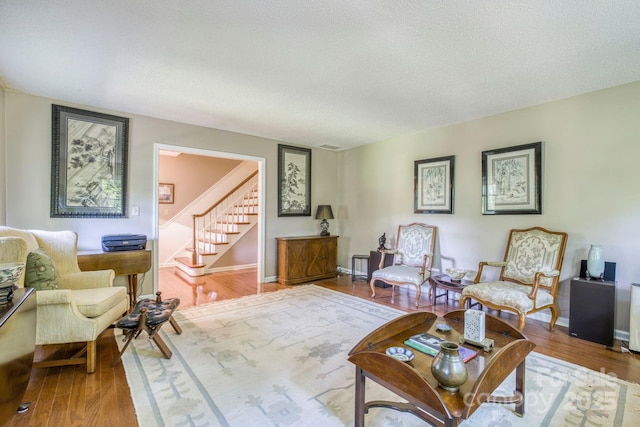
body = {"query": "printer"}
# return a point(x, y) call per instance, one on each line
point(123, 242)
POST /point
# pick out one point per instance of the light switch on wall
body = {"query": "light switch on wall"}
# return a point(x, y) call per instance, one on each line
point(135, 210)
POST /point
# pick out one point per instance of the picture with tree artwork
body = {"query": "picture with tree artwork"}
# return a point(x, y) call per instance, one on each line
point(511, 180)
point(294, 172)
point(89, 165)
point(433, 192)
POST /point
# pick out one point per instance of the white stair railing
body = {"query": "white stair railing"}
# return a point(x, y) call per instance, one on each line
point(223, 218)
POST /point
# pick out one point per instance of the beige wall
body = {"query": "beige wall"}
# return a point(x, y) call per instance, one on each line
point(591, 147)
point(243, 253)
point(191, 175)
point(28, 169)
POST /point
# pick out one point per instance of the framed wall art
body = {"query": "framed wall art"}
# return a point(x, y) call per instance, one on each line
point(511, 180)
point(89, 164)
point(294, 181)
point(433, 185)
point(165, 193)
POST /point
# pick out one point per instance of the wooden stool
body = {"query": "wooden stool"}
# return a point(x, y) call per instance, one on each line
point(149, 315)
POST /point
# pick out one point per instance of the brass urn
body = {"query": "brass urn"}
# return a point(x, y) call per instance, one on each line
point(448, 367)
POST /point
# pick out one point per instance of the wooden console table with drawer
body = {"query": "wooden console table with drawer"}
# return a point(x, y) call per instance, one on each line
point(124, 263)
point(308, 258)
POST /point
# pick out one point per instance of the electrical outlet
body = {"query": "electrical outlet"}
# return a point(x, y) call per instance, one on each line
point(135, 210)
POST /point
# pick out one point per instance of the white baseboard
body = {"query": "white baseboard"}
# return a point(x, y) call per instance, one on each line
point(563, 321)
point(231, 268)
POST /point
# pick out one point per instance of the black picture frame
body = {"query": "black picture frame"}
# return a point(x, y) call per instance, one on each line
point(294, 181)
point(433, 185)
point(512, 180)
point(88, 164)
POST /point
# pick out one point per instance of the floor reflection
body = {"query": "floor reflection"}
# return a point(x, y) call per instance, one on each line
point(212, 287)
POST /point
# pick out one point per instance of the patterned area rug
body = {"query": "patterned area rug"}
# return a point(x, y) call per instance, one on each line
point(280, 359)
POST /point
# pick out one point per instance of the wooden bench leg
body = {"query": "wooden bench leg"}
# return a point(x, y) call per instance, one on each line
point(162, 346)
point(175, 325)
point(131, 334)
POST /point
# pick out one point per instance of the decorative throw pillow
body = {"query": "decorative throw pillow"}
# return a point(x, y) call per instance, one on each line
point(40, 271)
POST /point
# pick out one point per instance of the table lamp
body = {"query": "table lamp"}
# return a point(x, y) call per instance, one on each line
point(324, 212)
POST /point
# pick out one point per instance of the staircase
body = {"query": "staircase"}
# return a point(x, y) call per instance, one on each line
point(220, 226)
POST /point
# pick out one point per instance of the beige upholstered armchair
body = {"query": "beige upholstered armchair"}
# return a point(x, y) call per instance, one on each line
point(529, 275)
point(73, 305)
point(412, 259)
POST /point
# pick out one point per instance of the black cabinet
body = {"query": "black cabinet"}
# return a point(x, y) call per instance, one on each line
point(374, 264)
point(592, 310)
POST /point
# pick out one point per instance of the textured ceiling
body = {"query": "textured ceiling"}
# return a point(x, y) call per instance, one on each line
point(336, 72)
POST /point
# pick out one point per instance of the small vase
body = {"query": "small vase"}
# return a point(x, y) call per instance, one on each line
point(595, 262)
point(448, 367)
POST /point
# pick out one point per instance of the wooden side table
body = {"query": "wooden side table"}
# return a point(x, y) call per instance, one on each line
point(446, 283)
point(124, 263)
point(359, 259)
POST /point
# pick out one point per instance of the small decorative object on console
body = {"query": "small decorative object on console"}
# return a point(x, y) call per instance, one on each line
point(443, 327)
point(595, 262)
point(400, 353)
point(381, 241)
point(448, 367)
point(474, 330)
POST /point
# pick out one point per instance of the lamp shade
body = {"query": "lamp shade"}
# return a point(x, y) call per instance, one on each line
point(324, 212)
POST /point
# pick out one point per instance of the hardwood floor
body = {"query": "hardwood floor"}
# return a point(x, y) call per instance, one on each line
point(67, 396)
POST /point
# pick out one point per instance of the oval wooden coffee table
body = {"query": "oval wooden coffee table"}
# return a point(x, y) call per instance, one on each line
point(414, 382)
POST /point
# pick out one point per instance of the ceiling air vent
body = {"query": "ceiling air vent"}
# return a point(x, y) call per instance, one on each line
point(329, 147)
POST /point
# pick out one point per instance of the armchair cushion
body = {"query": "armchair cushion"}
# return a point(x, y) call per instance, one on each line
point(508, 294)
point(95, 302)
point(40, 271)
point(401, 274)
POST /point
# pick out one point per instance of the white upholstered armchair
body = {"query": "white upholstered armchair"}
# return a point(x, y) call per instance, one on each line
point(73, 305)
point(529, 275)
point(412, 259)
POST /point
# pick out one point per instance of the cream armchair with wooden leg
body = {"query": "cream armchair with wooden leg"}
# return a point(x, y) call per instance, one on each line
point(529, 275)
point(73, 305)
point(412, 259)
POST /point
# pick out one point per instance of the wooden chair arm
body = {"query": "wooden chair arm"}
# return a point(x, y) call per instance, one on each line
point(384, 253)
point(488, 264)
point(424, 269)
point(536, 281)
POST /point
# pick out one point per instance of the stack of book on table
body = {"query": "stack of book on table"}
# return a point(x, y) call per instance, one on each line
point(430, 345)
